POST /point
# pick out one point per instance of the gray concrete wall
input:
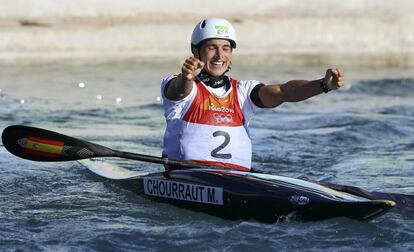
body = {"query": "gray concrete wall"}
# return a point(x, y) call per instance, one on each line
point(341, 32)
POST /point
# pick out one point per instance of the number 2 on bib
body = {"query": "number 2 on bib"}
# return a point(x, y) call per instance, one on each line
point(214, 153)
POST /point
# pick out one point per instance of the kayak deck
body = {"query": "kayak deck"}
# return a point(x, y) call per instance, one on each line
point(242, 195)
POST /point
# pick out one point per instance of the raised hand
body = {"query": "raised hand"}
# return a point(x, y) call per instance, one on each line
point(334, 78)
point(191, 68)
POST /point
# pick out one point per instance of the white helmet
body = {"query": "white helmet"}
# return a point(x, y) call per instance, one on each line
point(213, 28)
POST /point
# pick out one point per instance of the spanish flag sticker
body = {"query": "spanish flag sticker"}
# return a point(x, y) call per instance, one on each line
point(42, 147)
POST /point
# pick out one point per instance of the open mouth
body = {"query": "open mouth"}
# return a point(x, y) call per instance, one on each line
point(217, 64)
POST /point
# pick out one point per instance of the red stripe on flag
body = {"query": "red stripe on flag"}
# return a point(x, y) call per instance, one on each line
point(41, 153)
point(45, 141)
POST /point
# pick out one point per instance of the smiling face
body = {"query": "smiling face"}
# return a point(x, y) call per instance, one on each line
point(216, 54)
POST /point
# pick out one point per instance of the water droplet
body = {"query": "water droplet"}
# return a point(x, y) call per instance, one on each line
point(158, 98)
point(82, 85)
point(99, 97)
point(118, 99)
point(22, 101)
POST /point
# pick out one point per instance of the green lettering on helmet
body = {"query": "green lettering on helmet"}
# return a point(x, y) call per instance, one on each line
point(221, 27)
point(222, 30)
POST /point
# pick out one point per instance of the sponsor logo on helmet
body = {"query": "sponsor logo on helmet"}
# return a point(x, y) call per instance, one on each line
point(222, 30)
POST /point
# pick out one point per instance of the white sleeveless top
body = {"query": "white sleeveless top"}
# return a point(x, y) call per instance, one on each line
point(210, 125)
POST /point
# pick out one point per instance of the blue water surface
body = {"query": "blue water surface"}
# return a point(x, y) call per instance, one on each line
point(362, 135)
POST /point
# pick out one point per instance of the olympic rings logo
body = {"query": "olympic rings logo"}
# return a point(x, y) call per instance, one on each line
point(222, 118)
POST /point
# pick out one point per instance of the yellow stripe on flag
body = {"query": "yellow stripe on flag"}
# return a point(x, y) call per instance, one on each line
point(43, 147)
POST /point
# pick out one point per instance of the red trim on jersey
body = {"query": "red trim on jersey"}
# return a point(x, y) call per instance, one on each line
point(208, 109)
point(213, 164)
point(217, 164)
